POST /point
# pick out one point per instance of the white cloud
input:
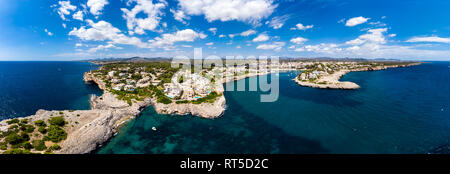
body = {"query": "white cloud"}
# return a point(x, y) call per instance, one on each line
point(166, 41)
point(64, 9)
point(96, 6)
point(213, 30)
point(392, 35)
point(299, 40)
point(102, 31)
point(179, 15)
point(429, 39)
point(209, 43)
point(374, 36)
point(220, 36)
point(238, 47)
point(356, 21)
point(273, 46)
point(79, 45)
point(278, 21)
point(248, 33)
point(78, 15)
point(153, 12)
point(378, 24)
point(300, 26)
point(321, 48)
point(261, 38)
point(103, 47)
point(251, 11)
point(64, 25)
point(48, 32)
point(373, 45)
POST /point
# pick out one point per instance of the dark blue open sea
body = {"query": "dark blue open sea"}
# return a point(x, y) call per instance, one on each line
point(26, 87)
point(401, 110)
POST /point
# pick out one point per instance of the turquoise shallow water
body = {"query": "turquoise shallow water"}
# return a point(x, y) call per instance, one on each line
point(26, 87)
point(402, 110)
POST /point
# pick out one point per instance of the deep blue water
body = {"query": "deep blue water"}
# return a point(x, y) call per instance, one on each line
point(26, 87)
point(401, 110)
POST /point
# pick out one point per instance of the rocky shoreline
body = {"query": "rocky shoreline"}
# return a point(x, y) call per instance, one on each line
point(89, 129)
point(331, 81)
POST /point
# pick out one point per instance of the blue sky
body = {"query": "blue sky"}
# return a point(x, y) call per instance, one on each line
point(83, 29)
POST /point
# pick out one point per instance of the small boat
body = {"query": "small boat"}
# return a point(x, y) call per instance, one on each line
point(154, 128)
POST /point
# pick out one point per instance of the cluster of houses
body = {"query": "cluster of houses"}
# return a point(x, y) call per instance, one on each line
point(192, 87)
point(122, 79)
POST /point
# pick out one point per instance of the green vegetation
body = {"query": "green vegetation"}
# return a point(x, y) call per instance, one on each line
point(14, 139)
point(27, 145)
point(56, 134)
point(20, 133)
point(55, 147)
point(40, 123)
point(39, 145)
point(42, 130)
point(17, 151)
point(58, 121)
point(211, 97)
point(3, 145)
point(13, 121)
point(182, 102)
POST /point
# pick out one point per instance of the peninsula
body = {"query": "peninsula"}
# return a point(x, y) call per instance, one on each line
point(129, 87)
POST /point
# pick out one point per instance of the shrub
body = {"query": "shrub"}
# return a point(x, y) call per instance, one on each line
point(42, 130)
point(40, 123)
point(13, 139)
point(59, 121)
point(17, 151)
point(15, 126)
point(24, 121)
point(56, 134)
point(164, 100)
point(27, 145)
point(27, 128)
point(55, 147)
point(182, 102)
point(39, 145)
point(3, 145)
point(25, 136)
point(48, 152)
point(13, 121)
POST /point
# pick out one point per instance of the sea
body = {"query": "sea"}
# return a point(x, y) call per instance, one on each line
point(396, 111)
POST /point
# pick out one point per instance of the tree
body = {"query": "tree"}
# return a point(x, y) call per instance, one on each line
point(40, 123)
point(39, 145)
point(42, 130)
point(13, 139)
point(13, 121)
point(27, 145)
point(59, 121)
point(56, 134)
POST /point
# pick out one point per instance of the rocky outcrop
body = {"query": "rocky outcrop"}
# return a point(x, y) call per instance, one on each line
point(331, 81)
point(205, 110)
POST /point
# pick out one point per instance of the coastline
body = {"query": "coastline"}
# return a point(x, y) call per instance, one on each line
point(89, 129)
point(331, 81)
